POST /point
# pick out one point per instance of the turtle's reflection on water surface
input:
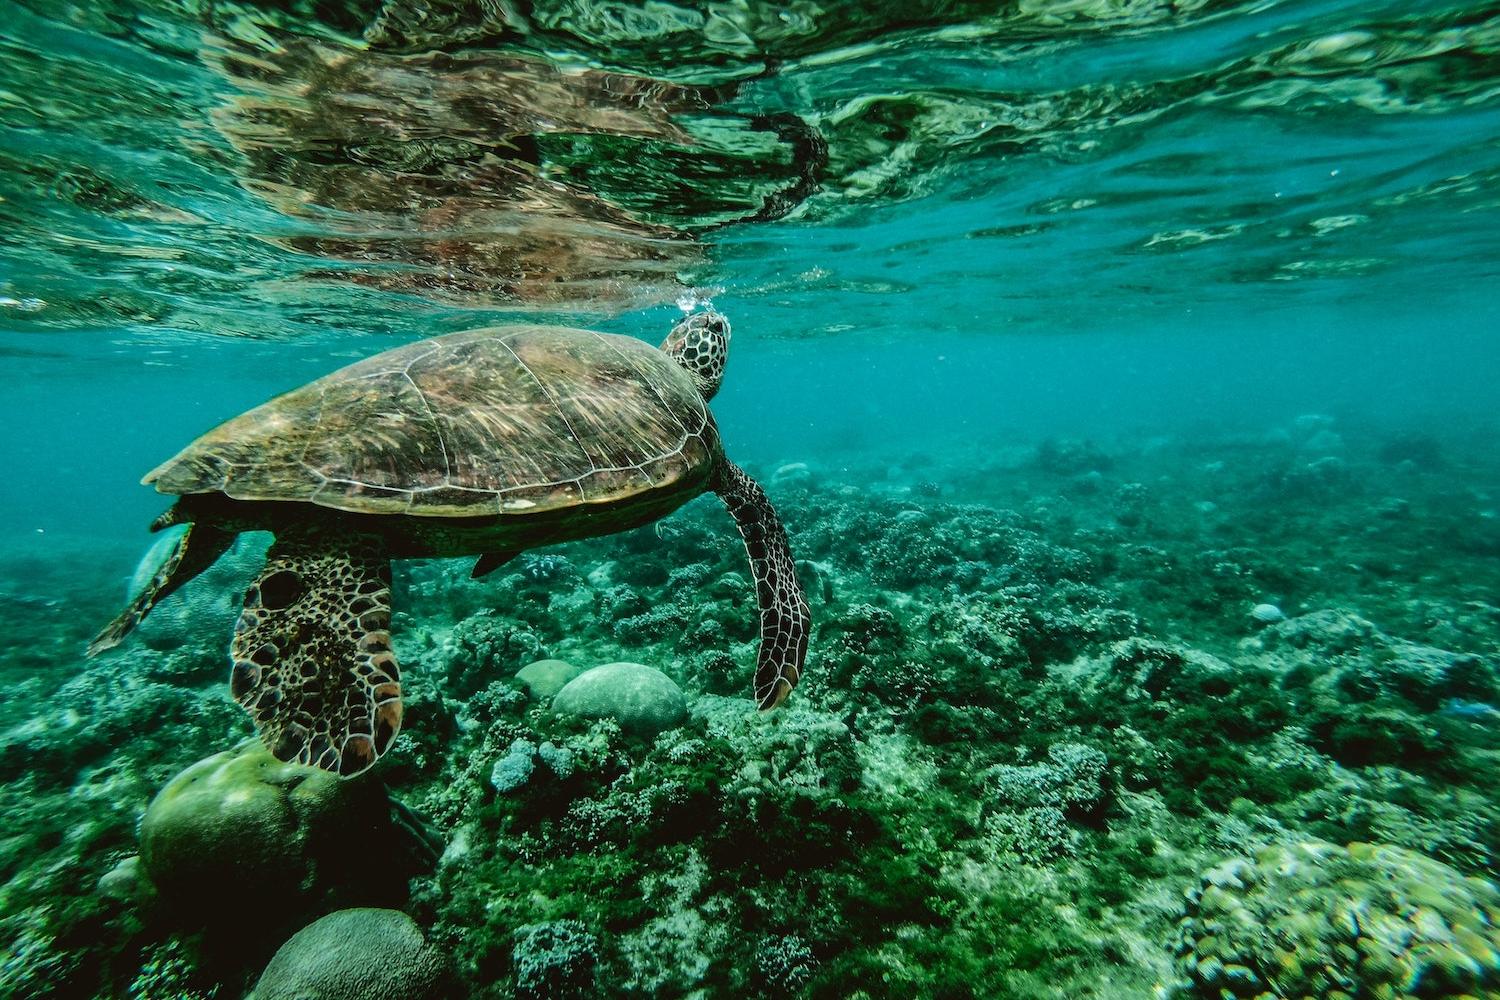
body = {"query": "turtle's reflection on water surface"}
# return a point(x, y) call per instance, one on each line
point(472, 177)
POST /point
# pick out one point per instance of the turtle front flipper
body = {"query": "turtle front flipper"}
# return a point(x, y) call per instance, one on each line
point(784, 617)
point(312, 651)
point(489, 562)
point(198, 548)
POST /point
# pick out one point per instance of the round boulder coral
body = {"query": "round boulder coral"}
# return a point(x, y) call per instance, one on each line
point(353, 955)
point(243, 836)
point(642, 699)
point(544, 678)
point(1313, 919)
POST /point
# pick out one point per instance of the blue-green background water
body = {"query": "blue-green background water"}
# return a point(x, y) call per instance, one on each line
point(81, 423)
point(946, 234)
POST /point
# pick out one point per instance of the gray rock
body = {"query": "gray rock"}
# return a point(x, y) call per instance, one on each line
point(1267, 614)
point(1333, 631)
point(125, 881)
point(544, 678)
point(792, 473)
point(642, 699)
point(354, 955)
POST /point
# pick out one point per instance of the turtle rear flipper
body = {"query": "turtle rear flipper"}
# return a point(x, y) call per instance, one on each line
point(784, 617)
point(312, 651)
point(198, 548)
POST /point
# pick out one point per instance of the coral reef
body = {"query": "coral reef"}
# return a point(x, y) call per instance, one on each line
point(554, 961)
point(1050, 692)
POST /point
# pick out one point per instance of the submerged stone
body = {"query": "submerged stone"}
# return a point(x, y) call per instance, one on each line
point(242, 836)
point(544, 678)
point(642, 699)
point(124, 881)
point(1266, 614)
point(352, 955)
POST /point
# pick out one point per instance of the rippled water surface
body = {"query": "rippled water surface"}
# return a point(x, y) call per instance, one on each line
point(1134, 315)
point(217, 170)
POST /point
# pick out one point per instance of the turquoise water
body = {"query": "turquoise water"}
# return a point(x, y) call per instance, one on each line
point(1066, 334)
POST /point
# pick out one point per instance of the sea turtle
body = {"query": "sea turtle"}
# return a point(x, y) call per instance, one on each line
point(488, 443)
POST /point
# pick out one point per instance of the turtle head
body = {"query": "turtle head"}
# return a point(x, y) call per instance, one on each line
point(700, 344)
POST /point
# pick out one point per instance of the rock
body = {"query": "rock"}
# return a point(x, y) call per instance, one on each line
point(1312, 423)
point(1332, 631)
point(1069, 457)
point(353, 955)
point(242, 836)
point(1424, 675)
point(642, 699)
point(1266, 614)
point(1358, 663)
point(792, 473)
point(544, 678)
point(602, 576)
point(1324, 443)
point(1394, 509)
point(125, 881)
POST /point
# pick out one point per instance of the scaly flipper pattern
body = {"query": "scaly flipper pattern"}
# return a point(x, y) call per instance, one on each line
point(312, 651)
point(199, 548)
point(784, 617)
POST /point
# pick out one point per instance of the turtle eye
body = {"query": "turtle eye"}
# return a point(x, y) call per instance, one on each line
point(716, 326)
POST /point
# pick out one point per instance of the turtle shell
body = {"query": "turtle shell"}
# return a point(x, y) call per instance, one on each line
point(509, 420)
